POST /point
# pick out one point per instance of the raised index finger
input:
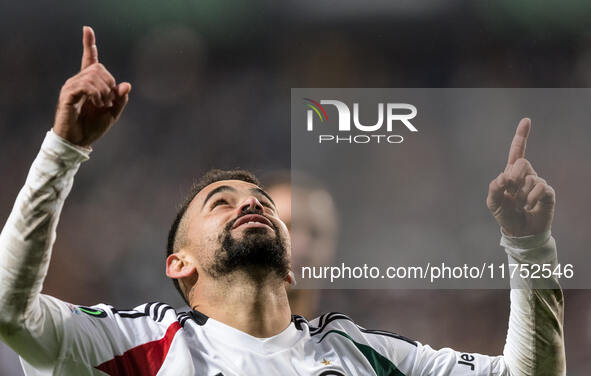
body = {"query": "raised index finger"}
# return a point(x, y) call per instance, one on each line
point(519, 142)
point(90, 53)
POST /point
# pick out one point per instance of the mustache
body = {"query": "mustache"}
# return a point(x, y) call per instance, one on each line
point(248, 212)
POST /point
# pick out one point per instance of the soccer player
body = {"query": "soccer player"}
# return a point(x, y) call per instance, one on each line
point(229, 255)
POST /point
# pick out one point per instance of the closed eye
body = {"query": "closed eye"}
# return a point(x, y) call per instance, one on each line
point(268, 205)
point(219, 201)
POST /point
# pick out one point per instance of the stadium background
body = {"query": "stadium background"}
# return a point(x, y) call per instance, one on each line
point(211, 84)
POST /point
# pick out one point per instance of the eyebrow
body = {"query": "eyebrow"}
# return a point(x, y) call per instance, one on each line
point(258, 190)
point(219, 189)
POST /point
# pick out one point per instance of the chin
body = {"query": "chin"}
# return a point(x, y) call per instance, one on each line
point(259, 231)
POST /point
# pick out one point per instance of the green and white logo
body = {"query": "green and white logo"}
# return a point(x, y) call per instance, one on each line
point(94, 312)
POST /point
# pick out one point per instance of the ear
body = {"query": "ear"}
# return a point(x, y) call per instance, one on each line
point(290, 278)
point(178, 267)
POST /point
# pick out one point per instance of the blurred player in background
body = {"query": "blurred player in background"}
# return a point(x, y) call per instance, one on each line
point(229, 254)
point(312, 226)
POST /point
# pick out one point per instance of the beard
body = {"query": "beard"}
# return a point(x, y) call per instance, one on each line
point(258, 252)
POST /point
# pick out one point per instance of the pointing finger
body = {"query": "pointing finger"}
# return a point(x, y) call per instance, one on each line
point(100, 71)
point(90, 52)
point(519, 142)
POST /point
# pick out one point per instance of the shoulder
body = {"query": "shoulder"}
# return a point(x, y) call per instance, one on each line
point(99, 332)
point(157, 311)
point(337, 321)
point(152, 314)
point(382, 349)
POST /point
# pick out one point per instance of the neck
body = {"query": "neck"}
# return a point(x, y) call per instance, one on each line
point(258, 307)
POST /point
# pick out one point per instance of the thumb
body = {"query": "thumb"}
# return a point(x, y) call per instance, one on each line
point(123, 89)
point(122, 92)
point(496, 193)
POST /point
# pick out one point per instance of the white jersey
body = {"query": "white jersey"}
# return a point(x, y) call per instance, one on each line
point(58, 338)
point(153, 339)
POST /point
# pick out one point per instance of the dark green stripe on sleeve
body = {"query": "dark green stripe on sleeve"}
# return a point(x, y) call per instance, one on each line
point(380, 364)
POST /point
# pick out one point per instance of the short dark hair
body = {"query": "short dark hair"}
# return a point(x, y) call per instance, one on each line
point(208, 178)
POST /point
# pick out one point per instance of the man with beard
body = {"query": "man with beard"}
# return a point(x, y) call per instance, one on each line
point(229, 254)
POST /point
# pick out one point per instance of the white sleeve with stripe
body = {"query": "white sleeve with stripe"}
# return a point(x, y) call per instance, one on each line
point(534, 345)
point(48, 334)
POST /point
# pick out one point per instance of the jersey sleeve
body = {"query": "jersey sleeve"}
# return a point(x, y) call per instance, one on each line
point(535, 339)
point(534, 343)
point(92, 340)
point(51, 336)
point(28, 323)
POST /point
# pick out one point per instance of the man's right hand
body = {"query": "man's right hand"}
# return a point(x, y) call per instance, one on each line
point(91, 101)
point(521, 201)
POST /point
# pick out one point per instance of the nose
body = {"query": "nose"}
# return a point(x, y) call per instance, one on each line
point(251, 204)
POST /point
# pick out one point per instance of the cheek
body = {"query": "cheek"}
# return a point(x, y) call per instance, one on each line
point(205, 241)
point(201, 234)
point(285, 235)
point(211, 230)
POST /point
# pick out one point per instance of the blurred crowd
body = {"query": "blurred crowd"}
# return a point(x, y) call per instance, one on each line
point(211, 88)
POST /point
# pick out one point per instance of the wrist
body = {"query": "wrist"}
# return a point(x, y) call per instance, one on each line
point(69, 139)
point(522, 234)
point(525, 241)
point(85, 150)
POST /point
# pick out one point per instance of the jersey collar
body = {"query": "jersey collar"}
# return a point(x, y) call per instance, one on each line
point(237, 338)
